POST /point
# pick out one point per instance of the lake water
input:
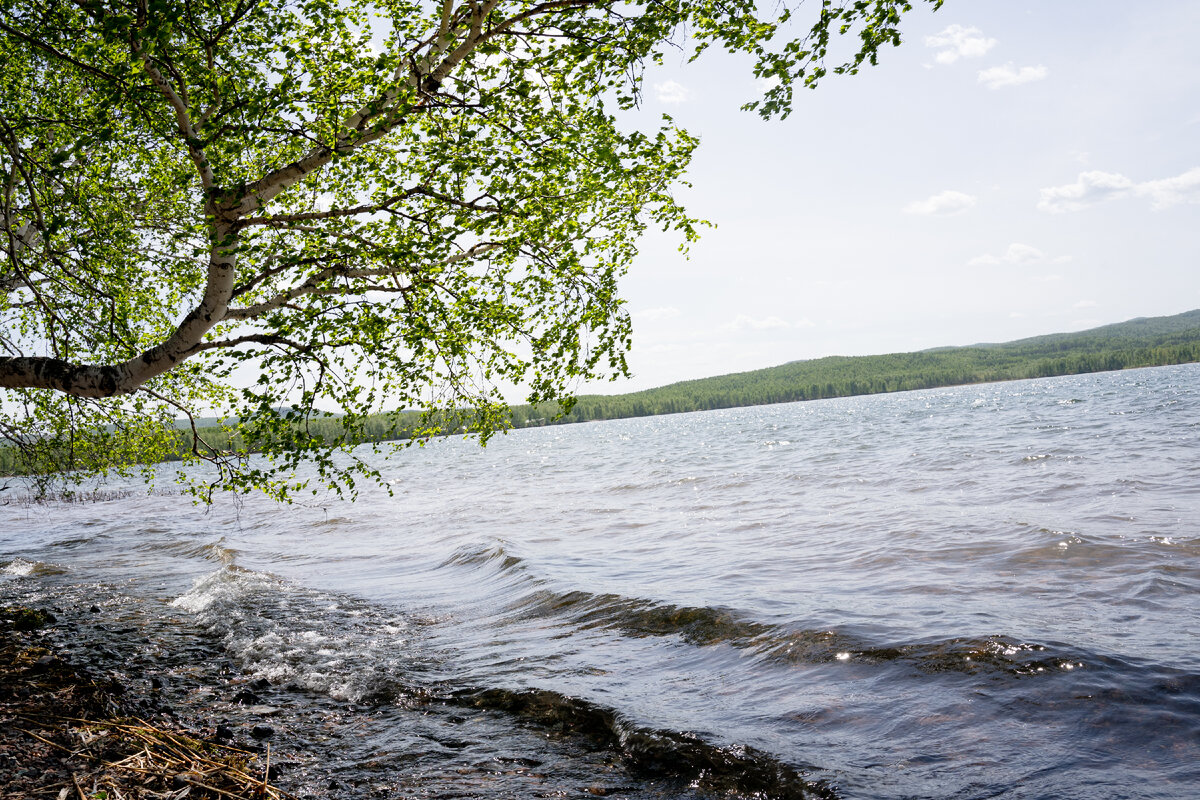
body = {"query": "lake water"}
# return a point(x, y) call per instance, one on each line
point(976, 592)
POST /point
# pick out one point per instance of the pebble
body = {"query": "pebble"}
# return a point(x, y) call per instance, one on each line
point(262, 711)
point(262, 731)
point(183, 779)
point(245, 697)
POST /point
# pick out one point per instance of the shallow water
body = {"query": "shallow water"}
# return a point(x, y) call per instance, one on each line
point(987, 591)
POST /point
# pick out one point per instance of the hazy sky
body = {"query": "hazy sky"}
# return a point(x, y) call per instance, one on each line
point(1016, 167)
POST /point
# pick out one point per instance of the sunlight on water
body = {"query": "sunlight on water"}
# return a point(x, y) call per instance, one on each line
point(986, 591)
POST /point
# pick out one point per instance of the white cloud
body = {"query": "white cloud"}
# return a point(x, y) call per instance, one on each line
point(1017, 253)
point(1094, 187)
point(1174, 191)
point(672, 93)
point(764, 85)
point(743, 322)
point(656, 314)
point(1088, 189)
point(947, 202)
point(1085, 304)
point(957, 42)
point(1008, 75)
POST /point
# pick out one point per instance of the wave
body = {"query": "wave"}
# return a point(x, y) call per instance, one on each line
point(23, 568)
point(217, 551)
point(706, 626)
point(495, 556)
point(357, 653)
point(361, 654)
point(789, 645)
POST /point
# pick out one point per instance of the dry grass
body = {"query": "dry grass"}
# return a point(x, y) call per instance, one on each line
point(120, 759)
point(64, 736)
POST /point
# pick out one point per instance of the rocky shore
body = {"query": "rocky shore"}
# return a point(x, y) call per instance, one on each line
point(76, 725)
point(109, 694)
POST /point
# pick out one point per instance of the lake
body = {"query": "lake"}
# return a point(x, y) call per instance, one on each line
point(977, 592)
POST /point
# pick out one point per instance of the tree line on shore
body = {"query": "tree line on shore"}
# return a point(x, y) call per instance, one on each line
point(838, 376)
point(1139, 343)
point(1143, 342)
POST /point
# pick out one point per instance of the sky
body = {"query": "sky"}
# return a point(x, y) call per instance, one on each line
point(1014, 168)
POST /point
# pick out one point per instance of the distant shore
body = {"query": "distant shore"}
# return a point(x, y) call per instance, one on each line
point(1145, 342)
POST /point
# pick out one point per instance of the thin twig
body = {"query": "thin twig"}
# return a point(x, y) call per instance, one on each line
point(52, 744)
point(78, 788)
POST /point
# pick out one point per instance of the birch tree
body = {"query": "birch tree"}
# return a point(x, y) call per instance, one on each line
point(267, 210)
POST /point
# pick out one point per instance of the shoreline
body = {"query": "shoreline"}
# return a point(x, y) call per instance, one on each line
point(83, 730)
point(123, 701)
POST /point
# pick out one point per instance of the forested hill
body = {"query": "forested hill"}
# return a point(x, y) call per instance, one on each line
point(1140, 332)
point(1143, 342)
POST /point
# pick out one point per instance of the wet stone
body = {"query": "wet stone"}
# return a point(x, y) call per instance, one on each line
point(246, 697)
point(262, 731)
point(262, 711)
point(183, 780)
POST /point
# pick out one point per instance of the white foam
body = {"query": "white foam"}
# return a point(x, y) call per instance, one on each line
point(19, 567)
point(288, 634)
point(225, 586)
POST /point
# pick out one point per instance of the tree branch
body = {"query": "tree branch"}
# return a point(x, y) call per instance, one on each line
point(254, 338)
point(58, 53)
point(183, 120)
point(354, 134)
point(312, 286)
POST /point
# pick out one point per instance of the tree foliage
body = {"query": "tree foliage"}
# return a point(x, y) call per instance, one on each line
point(265, 208)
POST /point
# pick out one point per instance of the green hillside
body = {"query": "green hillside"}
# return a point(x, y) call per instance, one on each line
point(1143, 331)
point(1143, 342)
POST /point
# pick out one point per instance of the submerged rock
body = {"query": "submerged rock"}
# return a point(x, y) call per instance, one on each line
point(262, 731)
